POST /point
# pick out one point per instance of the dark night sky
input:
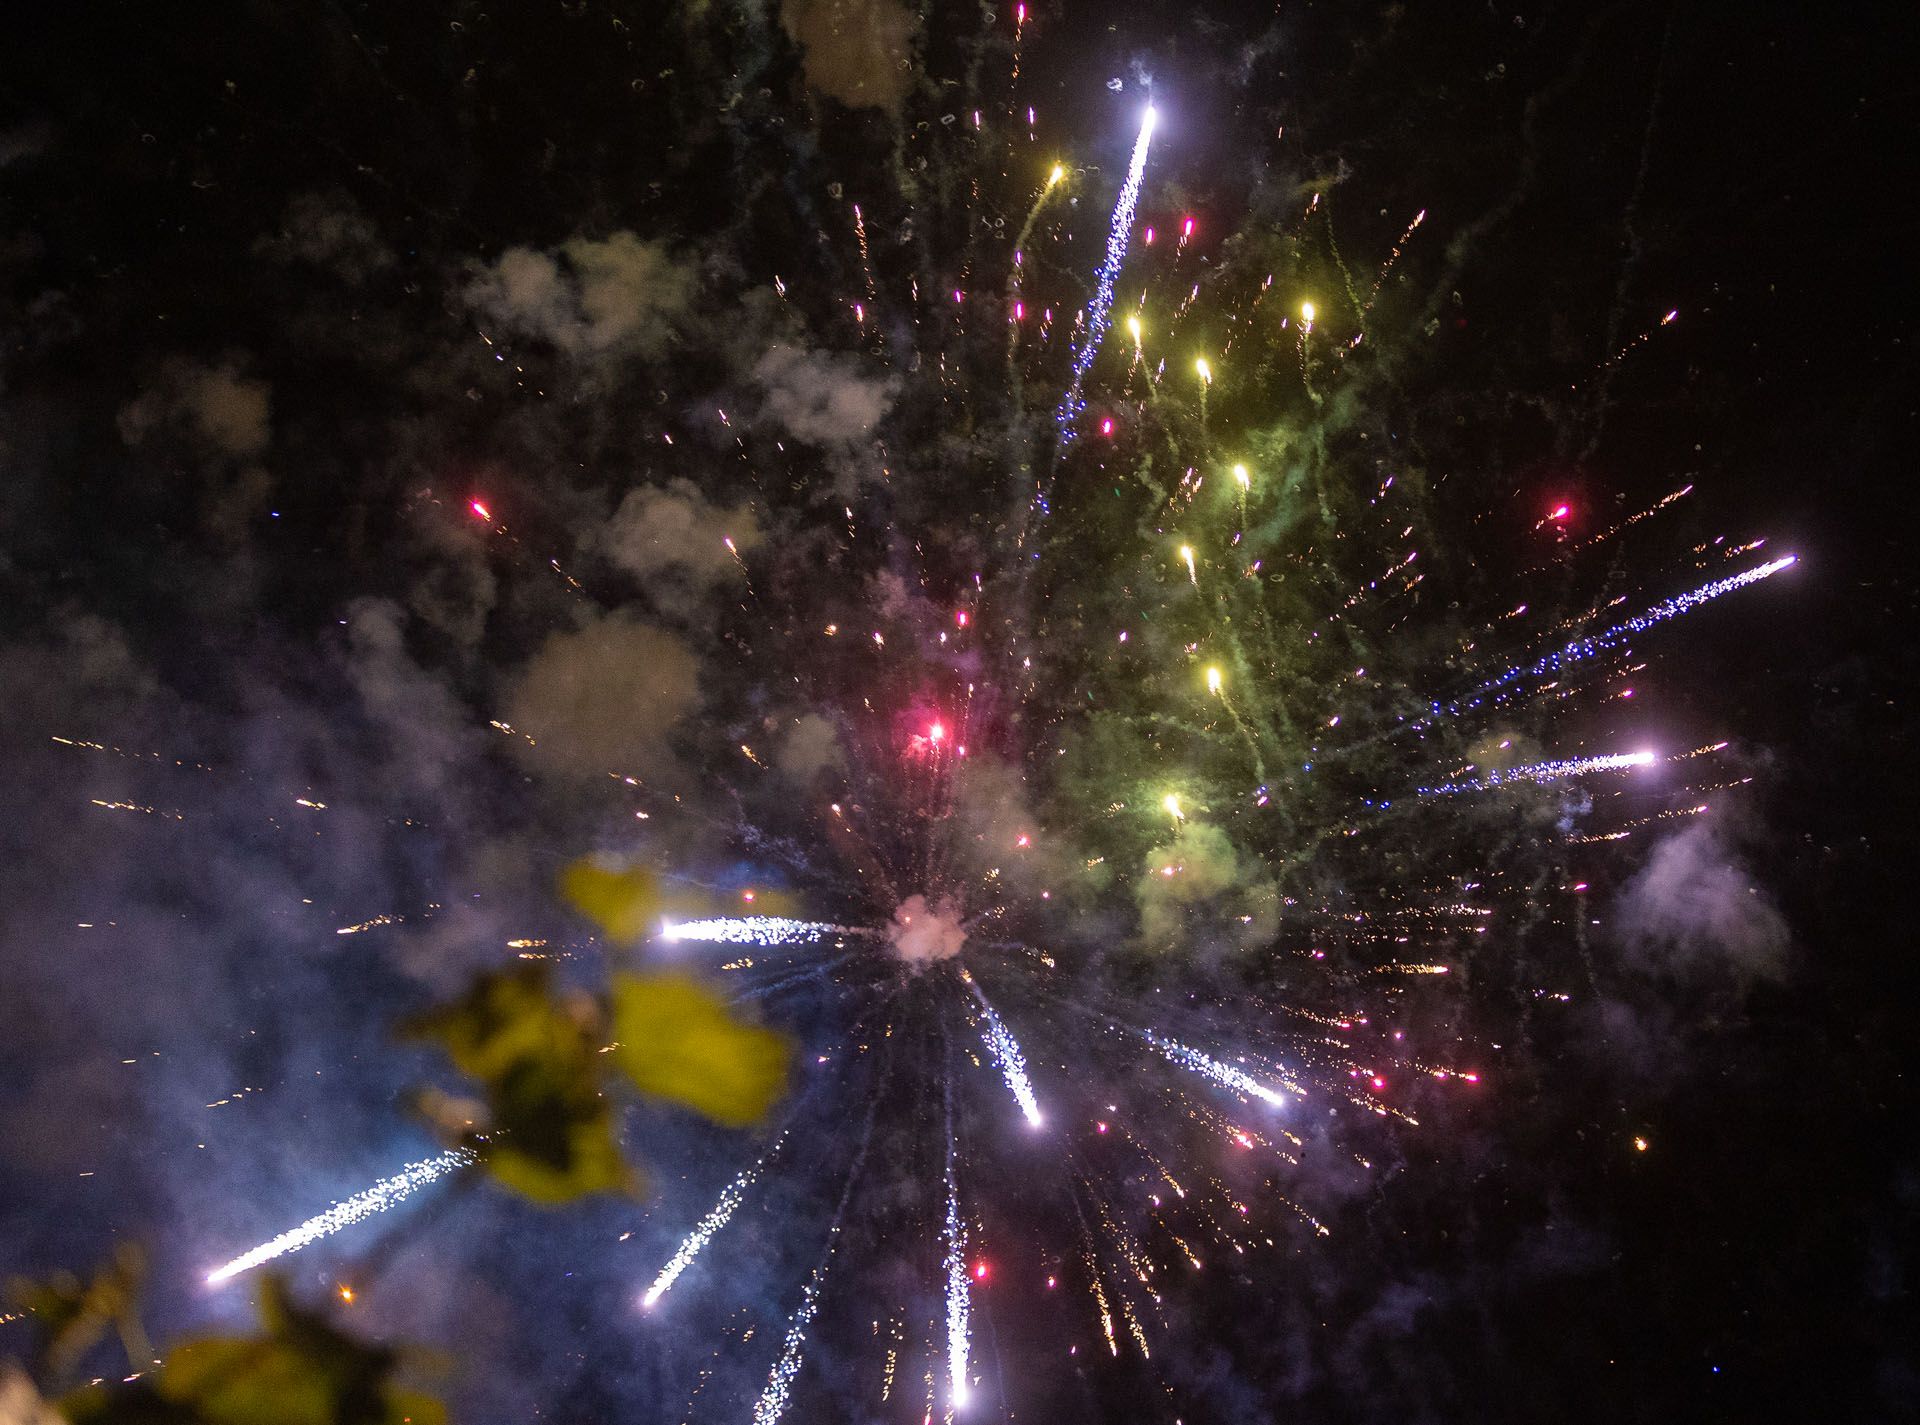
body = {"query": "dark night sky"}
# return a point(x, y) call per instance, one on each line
point(245, 258)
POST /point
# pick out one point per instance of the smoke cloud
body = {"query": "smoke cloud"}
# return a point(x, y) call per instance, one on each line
point(1694, 907)
point(603, 698)
point(856, 51)
point(595, 298)
point(675, 543)
point(922, 935)
point(213, 407)
point(820, 397)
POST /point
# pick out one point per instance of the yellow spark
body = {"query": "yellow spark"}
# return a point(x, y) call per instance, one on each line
point(1133, 329)
point(1206, 371)
point(1640, 1145)
point(1172, 804)
point(1240, 474)
point(1213, 680)
point(1307, 313)
point(1059, 172)
point(1186, 554)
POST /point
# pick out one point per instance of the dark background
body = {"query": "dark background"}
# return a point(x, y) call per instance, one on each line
point(1750, 165)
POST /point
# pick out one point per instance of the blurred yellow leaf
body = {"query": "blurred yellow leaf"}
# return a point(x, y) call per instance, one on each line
point(622, 903)
point(679, 1041)
point(72, 1315)
point(302, 1371)
point(548, 1131)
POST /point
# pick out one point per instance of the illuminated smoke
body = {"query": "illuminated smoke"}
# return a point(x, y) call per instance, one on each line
point(921, 934)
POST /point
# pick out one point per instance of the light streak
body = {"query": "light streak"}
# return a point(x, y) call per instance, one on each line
point(708, 1228)
point(958, 1302)
point(1582, 649)
point(362, 1205)
point(1223, 1074)
point(1013, 1064)
point(751, 930)
point(1099, 312)
point(1545, 772)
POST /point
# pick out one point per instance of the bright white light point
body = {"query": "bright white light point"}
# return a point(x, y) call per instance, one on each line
point(1213, 680)
point(936, 732)
point(1206, 371)
point(1133, 329)
point(1172, 804)
point(749, 930)
point(1306, 312)
point(1240, 474)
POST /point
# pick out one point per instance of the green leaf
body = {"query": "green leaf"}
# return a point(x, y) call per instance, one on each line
point(677, 1040)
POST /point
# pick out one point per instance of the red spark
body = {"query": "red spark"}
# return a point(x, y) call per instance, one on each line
point(480, 510)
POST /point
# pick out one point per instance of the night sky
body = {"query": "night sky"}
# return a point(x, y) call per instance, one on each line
point(441, 443)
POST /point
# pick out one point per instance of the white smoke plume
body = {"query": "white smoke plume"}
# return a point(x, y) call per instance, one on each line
point(1694, 906)
point(596, 297)
point(923, 935)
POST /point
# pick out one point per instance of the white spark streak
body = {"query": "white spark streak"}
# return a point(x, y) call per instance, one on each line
point(361, 1205)
point(1223, 1074)
point(751, 930)
point(708, 1228)
point(1006, 1050)
point(1545, 772)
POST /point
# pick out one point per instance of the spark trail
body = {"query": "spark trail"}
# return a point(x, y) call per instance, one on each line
point(361, 1205)
point(708, 1228)
point(772, 1403)
point(1006, 1050)
point(1582, 649)
point(753, 930)
point(1223, 1074)
point(1100, 312)
point(957, 1299)
point(1544, 772)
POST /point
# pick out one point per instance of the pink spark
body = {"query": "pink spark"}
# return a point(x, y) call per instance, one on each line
point(480, 510)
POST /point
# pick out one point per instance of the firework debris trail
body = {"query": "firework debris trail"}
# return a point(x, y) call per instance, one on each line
point(382, 1195)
